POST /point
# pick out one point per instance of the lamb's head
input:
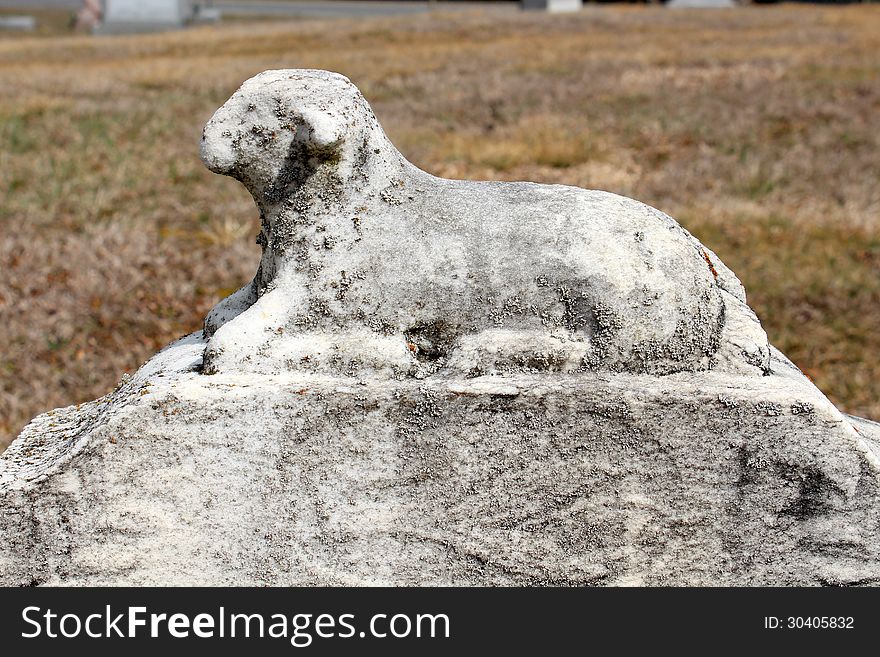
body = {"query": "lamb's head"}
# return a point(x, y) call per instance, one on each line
point(282, 127)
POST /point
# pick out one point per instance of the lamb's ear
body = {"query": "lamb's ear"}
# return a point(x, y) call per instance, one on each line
point(322, 132)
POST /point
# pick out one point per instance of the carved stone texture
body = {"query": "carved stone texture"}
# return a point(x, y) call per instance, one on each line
point(370, 264)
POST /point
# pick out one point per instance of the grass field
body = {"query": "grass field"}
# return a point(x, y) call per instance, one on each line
point(757, 128)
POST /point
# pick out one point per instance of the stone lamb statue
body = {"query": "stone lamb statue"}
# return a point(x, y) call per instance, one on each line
point(370, 263)
point(437, 382)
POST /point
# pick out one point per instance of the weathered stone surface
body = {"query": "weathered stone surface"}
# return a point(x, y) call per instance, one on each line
point(372, 265)
point(445, 382)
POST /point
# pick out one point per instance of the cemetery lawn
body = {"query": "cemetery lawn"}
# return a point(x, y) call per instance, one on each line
point(757, 128)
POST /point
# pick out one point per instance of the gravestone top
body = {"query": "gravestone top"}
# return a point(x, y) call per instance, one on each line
point(371, 265)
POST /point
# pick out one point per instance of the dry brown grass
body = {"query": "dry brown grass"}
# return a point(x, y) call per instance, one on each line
point(757, 128)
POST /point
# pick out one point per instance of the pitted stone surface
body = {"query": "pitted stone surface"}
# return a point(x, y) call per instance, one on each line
point(301, 479)
point(434, 382)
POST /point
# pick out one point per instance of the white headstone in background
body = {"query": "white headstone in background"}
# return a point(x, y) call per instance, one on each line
point(136, 15)
point(18, 23)
point(553, 6)
point(701, 4)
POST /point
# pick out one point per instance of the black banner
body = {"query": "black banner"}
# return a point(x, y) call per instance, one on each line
point(432, 621)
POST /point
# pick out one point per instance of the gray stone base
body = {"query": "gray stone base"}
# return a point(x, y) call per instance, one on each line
point(552, 6)
point(690, 479)
point(136, 27)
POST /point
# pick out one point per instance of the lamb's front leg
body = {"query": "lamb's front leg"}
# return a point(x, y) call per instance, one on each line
point(230, 308)
point(249, 333)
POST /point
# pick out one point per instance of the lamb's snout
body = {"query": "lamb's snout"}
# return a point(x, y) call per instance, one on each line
point(216, 149)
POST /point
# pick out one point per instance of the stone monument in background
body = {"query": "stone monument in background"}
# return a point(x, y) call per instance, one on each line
point(144, 15)
point(552, 6)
